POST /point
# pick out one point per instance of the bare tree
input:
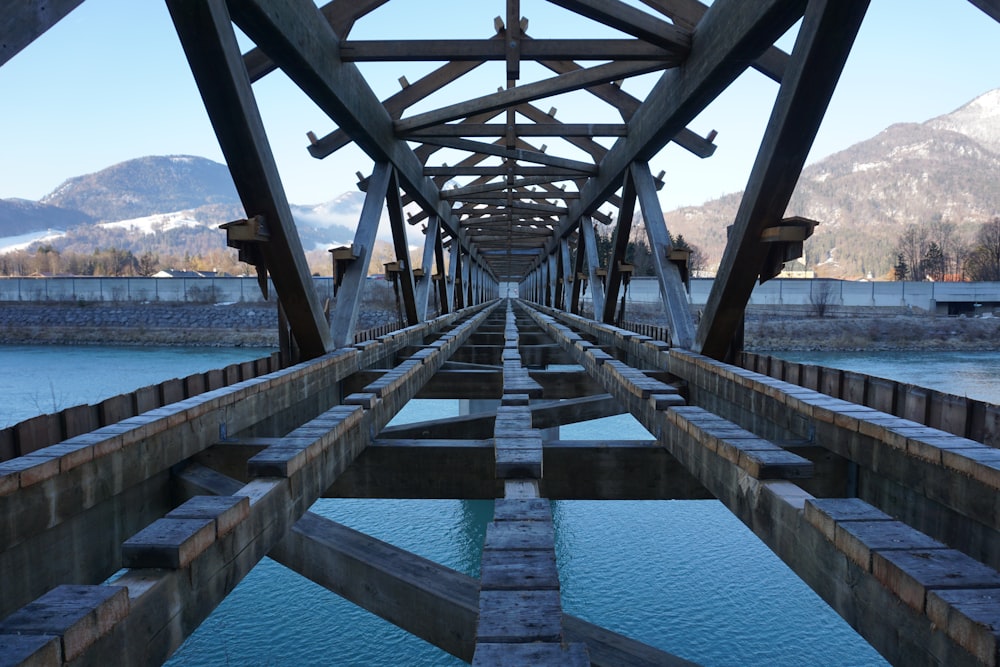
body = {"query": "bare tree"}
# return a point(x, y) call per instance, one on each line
point(821, 296)
point(983, 262)
point(912, 245)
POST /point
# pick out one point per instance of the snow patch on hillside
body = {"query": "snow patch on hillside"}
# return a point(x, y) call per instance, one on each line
point(10, 244)
point(154, 224)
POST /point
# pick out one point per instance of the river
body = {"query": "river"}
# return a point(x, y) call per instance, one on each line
point(685, 576)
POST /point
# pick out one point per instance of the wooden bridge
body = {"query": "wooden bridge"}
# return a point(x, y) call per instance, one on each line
point(122, 531)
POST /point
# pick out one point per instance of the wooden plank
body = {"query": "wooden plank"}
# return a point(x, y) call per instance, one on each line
point(538, 654)
point(79, 615)
point(911, 574)
point(519, 616)
point(522, 509)
point(519, 569)
point(168, 543)
point(519, 535)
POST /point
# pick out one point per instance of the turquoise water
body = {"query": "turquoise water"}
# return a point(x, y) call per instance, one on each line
point(39, 379)
point(972, 374)
point(684, 576)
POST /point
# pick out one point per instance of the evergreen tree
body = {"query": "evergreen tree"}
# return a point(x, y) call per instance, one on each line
point(933, 262)
point(901, 269)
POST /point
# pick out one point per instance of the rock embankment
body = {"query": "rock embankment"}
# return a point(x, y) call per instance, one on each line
point(858, 332)
point(255, 325)
point(223, 325)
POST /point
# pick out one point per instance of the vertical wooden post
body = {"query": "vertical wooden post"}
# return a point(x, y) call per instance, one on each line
point(402, 248)
point(672, 290)
point(619, 244)
point(345, 312)
point(431, 241)
point(593, 264)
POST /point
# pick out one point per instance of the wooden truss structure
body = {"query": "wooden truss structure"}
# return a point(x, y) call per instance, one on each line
point(496, 207)
point(510, 208)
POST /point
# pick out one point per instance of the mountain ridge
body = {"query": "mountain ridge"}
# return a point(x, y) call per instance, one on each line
point(864, 196)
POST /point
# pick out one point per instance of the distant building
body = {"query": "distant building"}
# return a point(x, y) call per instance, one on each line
point(175, 273)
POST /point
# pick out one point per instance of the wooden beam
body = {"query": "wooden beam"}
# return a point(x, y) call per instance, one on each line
point(630, 20)
point(457, 50)
point(990, 7)
point(210, 45)
point(23, 22)
point(512, 41)
point(687, 13)
point(512, 153)
point(340, 14)
point(821, 49)
point(304, 46)
point(552, 129)
point(494, 186)
point(501, 170)
point(563, 83)
point(731, 35)
point(627, 105)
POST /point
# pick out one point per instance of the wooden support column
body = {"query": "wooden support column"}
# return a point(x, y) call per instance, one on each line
point(566, 273)
point(593, 264)
point(557, 278)
point(399, 243)
point(459, 272)
point(22, 22)
point(619, 244)
point(672, 291)
point(467, 281)
point(348, 305)
point(574, 301)
point(453, 275)
point(443, 286)
point(431, 239)
point(821, 48)
point(206, 34)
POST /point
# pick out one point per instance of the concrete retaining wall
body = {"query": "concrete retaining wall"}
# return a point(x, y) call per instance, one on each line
point(932, 297)
point(185, 290)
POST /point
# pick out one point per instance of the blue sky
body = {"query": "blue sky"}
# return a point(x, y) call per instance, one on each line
point(110, 83)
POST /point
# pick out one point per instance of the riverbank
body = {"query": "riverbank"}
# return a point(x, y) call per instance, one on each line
point(899, 332)
point(255, 325)
point(176, 324)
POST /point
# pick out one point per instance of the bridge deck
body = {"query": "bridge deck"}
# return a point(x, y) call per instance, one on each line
point(884, 517)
